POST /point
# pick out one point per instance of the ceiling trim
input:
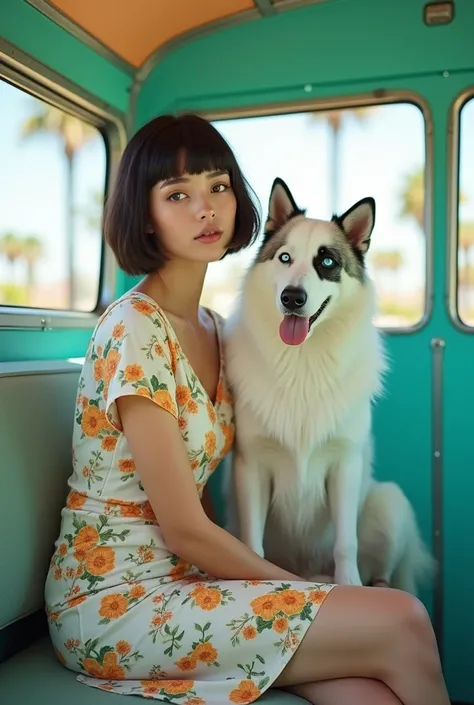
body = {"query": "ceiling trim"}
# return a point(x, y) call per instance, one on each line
point(285, 5)
point(177, 43)
point(70, 26)
point(265, 7)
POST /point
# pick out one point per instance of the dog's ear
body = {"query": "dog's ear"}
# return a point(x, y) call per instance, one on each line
point(358, 223)
point(281, 206)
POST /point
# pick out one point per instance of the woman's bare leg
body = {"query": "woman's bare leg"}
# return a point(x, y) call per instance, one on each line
point(346, 691)
point(378, 633)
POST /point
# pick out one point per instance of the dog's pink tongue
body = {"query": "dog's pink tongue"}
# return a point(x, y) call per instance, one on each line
point(294, 329)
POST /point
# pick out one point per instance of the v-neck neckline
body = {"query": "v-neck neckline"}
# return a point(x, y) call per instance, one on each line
point(215, 405)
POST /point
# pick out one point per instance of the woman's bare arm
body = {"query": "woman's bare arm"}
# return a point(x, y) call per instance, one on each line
point(163, 465)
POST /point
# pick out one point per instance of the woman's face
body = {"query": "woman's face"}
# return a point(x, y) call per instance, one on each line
point(194, 215)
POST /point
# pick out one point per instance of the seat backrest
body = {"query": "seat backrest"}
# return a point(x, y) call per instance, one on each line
point(36, 422)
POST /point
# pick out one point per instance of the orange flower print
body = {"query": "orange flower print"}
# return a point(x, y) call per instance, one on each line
point(75, 601)
point(92, 421)
point(249, 632)
point(192, 407)
point(174, 350)
point(210, 412)
point(292, 601)
point(123, 647)
point(208, 599)
point(280, 624)
point(137, 591)
point(187, 663)
point(163, 398)
point(113, 606)
point(317, 597)
point(109, 443)
point(245, 693)
point(76, 500)
point(210, 444)
point(148, 513)
point(100, 561)
point(99, 369)
point(130, 510)
point(177, 687)
point(143, 392)
point(205, 653)
point(86, 538)
point(110, 670)
point(183, 395)
point(118, 331)
point(133, 373)
point(111, 364)
point(143, 307)
point(266, 606)
point(127, 467)
point(229, 434)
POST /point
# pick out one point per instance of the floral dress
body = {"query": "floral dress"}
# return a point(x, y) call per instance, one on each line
point(124, 612)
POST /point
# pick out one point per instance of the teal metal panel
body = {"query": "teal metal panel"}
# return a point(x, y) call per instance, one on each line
point(325, 45)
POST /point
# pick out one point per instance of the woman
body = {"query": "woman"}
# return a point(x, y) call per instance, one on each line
point(146, 594)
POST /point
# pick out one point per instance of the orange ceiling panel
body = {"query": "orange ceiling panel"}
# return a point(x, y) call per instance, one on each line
point(134, 29)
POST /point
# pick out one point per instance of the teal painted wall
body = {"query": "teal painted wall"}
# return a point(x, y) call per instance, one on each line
point(330, 45)
point(347, 48)
point(22, 25)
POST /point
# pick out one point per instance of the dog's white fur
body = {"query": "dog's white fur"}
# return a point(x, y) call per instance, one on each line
point(302, 466)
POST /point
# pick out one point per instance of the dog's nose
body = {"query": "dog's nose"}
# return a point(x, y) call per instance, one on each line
point(293, 297)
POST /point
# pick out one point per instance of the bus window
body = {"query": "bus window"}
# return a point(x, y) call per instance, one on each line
point(330, 159)
point(465, 246)
point(52, 181)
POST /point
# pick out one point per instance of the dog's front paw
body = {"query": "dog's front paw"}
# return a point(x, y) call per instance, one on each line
point(347, 575)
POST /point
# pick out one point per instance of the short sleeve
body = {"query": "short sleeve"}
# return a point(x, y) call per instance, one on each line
point(132, 355)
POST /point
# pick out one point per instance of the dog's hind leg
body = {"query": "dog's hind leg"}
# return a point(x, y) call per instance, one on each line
point(389, 543)
point(252, 489)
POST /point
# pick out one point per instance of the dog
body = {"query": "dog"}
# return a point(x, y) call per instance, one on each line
point(305, 363)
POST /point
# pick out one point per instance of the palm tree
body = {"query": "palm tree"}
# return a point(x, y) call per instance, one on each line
point(335, 120)
point(11, 246)
point(32, 252)
point(412, 196)
point(73, 134)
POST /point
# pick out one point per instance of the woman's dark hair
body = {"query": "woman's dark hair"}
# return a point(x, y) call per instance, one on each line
point(155, 153)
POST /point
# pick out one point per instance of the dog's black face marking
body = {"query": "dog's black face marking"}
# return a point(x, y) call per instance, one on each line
point(328, 264)
point(319, 311)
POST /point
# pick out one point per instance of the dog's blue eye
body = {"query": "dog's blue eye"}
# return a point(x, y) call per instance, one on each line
point(284, 257)
point(328, 262)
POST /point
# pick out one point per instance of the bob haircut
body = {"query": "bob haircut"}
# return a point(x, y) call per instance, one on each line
point(163, 149)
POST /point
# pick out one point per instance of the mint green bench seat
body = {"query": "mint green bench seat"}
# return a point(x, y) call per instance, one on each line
point(36, 422)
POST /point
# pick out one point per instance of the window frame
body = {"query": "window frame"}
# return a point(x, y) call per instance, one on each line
point(27, 74)
point(454, 148)
point(360, 100)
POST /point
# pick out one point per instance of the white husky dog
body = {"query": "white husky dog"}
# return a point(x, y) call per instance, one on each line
point(305, 361)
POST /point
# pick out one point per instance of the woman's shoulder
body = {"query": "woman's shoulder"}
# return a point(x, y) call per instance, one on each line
point(134, 314)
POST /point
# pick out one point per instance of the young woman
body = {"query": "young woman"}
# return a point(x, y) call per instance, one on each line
point(146, 594)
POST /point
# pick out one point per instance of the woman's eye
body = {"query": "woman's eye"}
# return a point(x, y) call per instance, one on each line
point(222, 187)
point(285, 258)
point(175, 196)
